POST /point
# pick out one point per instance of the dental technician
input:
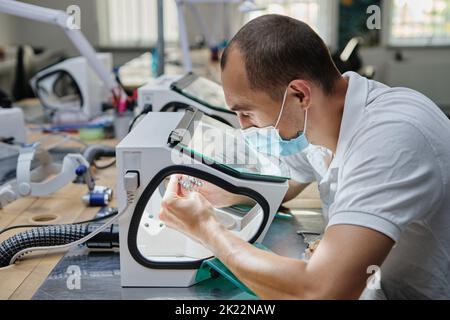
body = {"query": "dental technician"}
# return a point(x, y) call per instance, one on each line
point(380, 156)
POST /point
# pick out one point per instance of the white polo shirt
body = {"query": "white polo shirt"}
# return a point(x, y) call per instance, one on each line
point(390, 173)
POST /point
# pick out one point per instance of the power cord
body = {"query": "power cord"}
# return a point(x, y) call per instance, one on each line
point(67, 236)
point(106, 166)
point(147, 108)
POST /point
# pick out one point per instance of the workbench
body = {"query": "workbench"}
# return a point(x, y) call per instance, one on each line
point(21, 281)
point(99, 272)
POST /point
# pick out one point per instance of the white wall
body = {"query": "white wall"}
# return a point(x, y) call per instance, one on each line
point(7, 29)
point(426, 69)
point(382, 57)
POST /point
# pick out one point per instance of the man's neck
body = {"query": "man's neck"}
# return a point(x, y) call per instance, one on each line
point(328, 117)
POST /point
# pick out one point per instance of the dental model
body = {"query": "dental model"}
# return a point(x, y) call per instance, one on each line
point(190, 183)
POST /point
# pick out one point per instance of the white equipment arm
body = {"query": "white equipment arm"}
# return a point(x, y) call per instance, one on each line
point(45, 179)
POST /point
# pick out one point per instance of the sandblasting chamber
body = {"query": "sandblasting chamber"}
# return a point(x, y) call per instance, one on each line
point(201, 148)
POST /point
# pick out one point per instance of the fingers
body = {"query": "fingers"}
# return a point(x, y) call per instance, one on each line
point(181, 204)
point(173, 188)
point(176, 204)
point(187, 205)
point(172, 194)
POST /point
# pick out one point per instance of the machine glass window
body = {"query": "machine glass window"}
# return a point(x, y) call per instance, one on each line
point(218, 143)
point(202, 90)
point(159, 244)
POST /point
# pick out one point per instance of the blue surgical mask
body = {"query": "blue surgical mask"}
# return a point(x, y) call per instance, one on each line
point(267, 140)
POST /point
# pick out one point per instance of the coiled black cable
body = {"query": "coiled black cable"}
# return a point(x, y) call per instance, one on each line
point(40, 237)
point(60, 234)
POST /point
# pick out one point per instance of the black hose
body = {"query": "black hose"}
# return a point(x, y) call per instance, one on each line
point(107, 239)
point(40, 237)
point(50, 236)
point(96, 151)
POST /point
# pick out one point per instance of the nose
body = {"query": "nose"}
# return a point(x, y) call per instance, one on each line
point(244, 123)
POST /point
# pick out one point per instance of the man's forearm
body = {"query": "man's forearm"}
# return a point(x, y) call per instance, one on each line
point(294, 190)
point(270, 276)
point(240, 199)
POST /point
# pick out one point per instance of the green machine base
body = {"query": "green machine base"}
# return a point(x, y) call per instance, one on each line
point(213, 267)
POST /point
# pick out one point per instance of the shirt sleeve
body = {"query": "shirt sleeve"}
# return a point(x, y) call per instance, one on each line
point(300, 169)
point(389, 178)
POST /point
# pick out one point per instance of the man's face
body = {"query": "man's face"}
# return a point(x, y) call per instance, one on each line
point(254, 108)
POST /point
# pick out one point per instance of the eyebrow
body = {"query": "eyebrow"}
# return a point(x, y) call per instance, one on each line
point(241, 107)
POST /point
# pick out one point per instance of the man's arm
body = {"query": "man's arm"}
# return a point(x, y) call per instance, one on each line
point(295, 188)
point(222, 198)
point(338, 268)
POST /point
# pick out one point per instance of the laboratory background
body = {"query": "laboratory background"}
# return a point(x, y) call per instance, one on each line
point(97, 95)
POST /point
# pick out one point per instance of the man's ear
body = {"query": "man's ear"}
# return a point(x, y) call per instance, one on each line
point(302, 90)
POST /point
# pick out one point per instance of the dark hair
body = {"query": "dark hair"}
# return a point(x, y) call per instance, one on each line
point(278, 49)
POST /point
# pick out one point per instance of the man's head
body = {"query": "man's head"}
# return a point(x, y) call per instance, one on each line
point(268, 55)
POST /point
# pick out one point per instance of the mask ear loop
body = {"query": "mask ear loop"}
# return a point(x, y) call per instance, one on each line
point(282, 108)
point(306, 119)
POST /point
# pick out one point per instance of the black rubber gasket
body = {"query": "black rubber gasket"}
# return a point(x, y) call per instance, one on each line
point(150, 189)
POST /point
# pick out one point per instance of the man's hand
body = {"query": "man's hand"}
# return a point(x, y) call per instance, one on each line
point(187, 211)
point(218, 197)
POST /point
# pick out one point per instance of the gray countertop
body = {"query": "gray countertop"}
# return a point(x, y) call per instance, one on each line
point(100, 273)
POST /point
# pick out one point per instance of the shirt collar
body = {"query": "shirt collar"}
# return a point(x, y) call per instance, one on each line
point(354, 105)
